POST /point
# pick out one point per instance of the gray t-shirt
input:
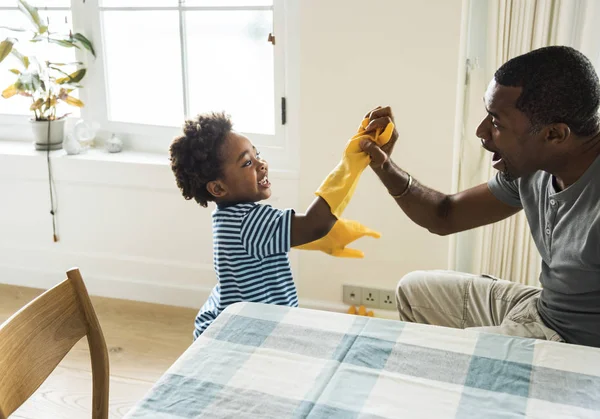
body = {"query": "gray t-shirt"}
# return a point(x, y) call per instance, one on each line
point(565, 226)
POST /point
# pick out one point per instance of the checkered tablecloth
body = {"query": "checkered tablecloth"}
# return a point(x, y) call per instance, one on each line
point(261, 361)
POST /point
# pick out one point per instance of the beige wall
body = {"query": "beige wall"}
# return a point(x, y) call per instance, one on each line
point(122, 220)
point(356, 55)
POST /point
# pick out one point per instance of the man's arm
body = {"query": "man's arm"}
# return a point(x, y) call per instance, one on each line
point(314, 224)
point(440, 213)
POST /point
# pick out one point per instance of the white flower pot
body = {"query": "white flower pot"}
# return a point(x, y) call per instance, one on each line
point(40, 134)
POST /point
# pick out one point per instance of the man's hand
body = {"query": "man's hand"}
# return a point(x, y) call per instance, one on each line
point(379, 118)
point(377, 155)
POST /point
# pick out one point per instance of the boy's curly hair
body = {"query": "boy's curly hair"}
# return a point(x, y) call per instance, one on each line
point(196, 155)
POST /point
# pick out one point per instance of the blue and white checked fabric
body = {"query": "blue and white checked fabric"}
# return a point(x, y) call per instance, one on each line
point(265, 361)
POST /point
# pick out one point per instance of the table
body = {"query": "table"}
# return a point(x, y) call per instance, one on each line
point(264, 361)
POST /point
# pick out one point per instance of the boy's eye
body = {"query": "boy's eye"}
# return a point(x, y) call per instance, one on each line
point(247, 163)
point(258, 154)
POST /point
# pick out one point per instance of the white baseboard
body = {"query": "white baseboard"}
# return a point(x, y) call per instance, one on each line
point(104, 286)
point(343, 308)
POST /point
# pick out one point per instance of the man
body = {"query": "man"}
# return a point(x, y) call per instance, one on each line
point(543, 129)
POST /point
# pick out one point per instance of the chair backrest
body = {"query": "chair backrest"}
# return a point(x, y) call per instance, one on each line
point(36, 338)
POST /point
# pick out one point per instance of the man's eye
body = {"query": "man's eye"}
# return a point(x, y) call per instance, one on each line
point(495, 124)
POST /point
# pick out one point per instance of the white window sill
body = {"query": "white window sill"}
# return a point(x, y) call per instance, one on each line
point(25, 148)
point(19, 160)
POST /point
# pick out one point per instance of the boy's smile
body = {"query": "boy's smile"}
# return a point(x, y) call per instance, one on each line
point(264, 182)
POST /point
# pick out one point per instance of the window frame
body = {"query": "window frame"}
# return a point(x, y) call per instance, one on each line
point(87, 18)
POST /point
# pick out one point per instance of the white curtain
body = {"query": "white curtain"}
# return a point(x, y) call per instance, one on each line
point(512, 27)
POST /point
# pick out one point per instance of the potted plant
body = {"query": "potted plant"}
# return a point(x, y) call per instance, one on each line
point(47, 83)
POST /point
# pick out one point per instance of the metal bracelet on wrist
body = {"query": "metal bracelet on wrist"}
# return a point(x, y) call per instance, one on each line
point(406, 190)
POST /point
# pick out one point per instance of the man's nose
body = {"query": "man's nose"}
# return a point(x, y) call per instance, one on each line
point(483, 130)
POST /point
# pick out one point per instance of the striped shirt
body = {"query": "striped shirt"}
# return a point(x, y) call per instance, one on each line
point(251, 245)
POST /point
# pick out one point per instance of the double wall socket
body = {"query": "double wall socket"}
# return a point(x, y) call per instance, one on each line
point(369, 297)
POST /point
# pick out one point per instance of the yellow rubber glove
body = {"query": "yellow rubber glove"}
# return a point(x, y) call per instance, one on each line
point(343, 233)
point(339, 186)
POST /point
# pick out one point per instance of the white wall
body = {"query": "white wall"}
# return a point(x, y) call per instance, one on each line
point(124, 223)
point(357, 55)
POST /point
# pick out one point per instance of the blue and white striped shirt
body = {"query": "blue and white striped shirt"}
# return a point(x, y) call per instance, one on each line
point(251, 245)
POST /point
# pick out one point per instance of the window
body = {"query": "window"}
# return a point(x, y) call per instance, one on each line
point(162, 60)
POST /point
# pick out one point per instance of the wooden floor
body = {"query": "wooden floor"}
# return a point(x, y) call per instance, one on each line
point(143, 341)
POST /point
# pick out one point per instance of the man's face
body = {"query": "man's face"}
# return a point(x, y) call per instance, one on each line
point(507, 132)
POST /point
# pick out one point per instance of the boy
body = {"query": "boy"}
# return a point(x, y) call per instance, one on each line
point(211, 162)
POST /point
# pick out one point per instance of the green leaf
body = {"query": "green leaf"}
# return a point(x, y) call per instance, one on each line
point(10, 91)
point(15, 71)
point(73, 77)
point(63, 43)
point(49, 103)
point(6, 47)
point(21, 57)
point(59, 70)
point(71, 86)
point(36, 105)
point(33, 15)
point(29, 82)
point(35, 64)
point(13, 29)
point(36, 82)
point(63, 64)
point(85, 43)
point(70, 100)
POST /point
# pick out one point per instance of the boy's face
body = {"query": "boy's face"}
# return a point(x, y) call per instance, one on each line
point(244, 173)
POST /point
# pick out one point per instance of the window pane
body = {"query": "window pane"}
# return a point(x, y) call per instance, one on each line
point(230, 67)
point(59, 22)
point(143, 67)
point(175, 3)
point(139, 3)
point(228, 3)
point(38, 3)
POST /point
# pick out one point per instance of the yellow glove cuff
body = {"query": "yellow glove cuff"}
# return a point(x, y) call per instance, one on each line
point(337, 189)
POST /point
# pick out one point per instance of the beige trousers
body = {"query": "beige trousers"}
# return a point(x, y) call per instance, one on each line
point(484, 303)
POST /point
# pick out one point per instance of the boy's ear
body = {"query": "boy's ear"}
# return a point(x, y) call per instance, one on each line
point(216, 188)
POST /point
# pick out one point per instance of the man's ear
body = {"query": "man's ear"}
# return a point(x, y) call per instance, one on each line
point(558, 133)
point(216, 188)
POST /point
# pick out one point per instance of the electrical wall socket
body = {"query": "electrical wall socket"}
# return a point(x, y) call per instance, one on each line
point(352, 294)
point(387, 299)
point(370, 297)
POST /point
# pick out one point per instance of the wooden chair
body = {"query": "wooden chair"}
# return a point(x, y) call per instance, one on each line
point(36, 338)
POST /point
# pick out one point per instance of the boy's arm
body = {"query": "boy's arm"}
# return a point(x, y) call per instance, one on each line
point(314, 224)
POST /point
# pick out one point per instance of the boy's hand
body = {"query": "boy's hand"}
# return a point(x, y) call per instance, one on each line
point(343, 233)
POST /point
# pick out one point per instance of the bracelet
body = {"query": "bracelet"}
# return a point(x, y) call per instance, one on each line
point(406, 190)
